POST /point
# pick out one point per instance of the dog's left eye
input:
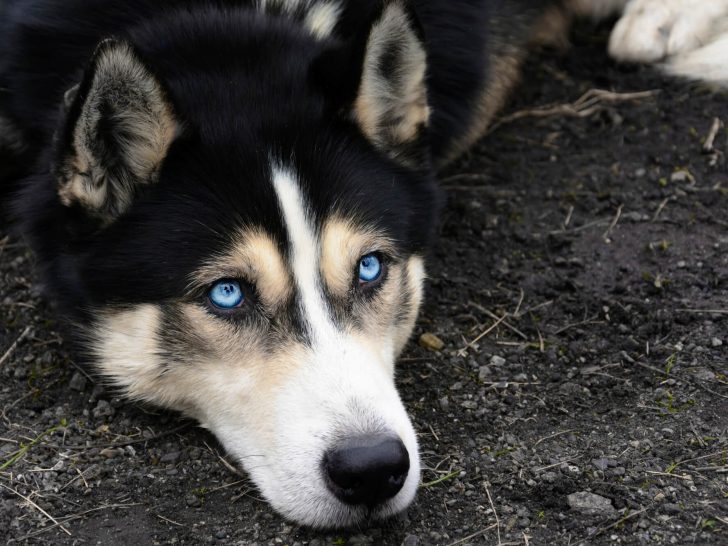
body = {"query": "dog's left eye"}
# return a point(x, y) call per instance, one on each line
point(370, 269)
point(226, 294)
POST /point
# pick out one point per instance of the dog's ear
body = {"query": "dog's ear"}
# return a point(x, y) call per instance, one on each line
point(118, 128)
point(391, 103)
point(377, 77)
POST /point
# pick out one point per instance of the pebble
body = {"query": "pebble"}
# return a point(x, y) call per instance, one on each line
point(496, 360)
point(170, 458)
point(430, 341)
point(681, 176)
point(193, 501)
point(111, 452)
point(444, 403)
point(590, 504)
point(410, 540)
point(484, 373)
point(78, 382)
point(671, 508)
point(601, 464)
point(716, 342)
point(103, 409)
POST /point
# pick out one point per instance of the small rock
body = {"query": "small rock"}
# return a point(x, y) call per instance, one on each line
point(410, 540)
point(470, 404)
point(111, 453)
point(671, 508)
point(221, 534)
point(78, 382)
point(716, 342)
point(659, 497)
point(496, 360)
point(103, 409)
point(601, 464)
point(193, 501)
point(704, 374)
point(484, 373)
point(169, 458)
point(444, 403)
point(430, 341)
point(590, 504)
point(682, 176)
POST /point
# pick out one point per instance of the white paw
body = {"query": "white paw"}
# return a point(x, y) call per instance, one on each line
point(653, 30)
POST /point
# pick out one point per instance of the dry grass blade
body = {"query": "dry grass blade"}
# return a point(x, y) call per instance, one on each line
point(34, 505)
point(14, 345)
point(495, 513)
point(462, 352)
point(473, 535)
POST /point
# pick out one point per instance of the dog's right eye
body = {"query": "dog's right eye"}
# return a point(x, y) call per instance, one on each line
point(226, 294)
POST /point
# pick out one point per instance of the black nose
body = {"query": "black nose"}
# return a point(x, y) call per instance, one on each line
point(367, 469)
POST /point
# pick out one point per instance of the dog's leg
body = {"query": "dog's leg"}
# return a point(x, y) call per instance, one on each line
point(690, 36)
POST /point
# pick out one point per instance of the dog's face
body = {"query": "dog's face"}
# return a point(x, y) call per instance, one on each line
point(260, 269)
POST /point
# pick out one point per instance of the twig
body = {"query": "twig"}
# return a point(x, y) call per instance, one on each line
point(495, 513)
point(441, 479)
point(613, 224)
point(669, 474)
point(34, 505)
point(14, 345)
point(580, 323)
point(557, 464)
point(462, 352)
point(121, 444)
point(661, 206)
point(567, 220)
point(553, 436)
point(169, 520)
point(588, 104)
point(618, 522)
point(518, 305)
point(710, 139)
point(75, 517)
point(711, 311)
point(475, 534)
point(505, 322)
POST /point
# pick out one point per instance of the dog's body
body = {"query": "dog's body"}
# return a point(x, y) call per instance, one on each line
point(232, 202)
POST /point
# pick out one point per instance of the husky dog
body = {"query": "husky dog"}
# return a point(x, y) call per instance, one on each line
point(232, 200)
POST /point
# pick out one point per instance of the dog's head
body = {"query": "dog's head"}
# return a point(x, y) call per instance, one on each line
point(243, 218)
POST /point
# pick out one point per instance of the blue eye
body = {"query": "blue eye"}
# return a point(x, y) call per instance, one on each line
point(226, 294)
point(370, 268)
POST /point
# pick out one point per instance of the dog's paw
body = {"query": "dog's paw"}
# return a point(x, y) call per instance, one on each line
point(654, 30)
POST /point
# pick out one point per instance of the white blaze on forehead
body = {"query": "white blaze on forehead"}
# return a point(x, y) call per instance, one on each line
point(305, 251)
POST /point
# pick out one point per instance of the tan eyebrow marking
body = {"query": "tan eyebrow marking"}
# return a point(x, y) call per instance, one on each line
point(256, 258)
point(343, 243)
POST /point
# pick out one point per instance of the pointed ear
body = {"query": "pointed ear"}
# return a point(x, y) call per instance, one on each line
point(391, 103)
point(118, 129)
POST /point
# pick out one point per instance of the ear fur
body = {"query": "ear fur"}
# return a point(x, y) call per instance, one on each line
point(391, 104)
point(119, 127)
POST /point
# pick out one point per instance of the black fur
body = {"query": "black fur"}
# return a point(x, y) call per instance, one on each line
point(247, 88)
point(241, 84)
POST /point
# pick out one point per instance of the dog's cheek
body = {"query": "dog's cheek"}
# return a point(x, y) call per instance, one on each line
point(386, 322)
point(412, 290)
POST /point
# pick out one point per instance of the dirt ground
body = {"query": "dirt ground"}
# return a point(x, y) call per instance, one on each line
point(589, 255)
